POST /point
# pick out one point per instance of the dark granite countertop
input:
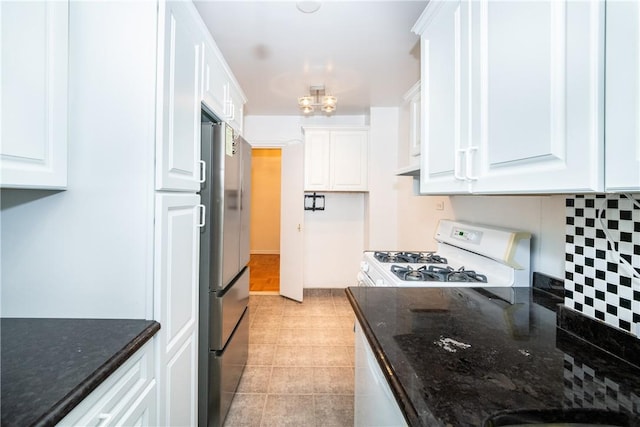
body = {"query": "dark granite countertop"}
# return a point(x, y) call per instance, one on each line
point(459, 356)
point(49, 365)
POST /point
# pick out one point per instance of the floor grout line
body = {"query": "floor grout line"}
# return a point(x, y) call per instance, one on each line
point(273, 313)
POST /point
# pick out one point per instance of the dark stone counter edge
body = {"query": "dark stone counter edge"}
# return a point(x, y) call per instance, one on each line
point(399, 392)
point(550, 293)
point(616, 342)
point(83, 389)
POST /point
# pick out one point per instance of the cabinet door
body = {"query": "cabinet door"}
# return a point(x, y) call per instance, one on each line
point(143, 411)
point(539, 96)
point(316, 160)
point(623, 96)
point(375, 404)
point(128, 390)
point(349, 160)
point(178, 150)
point(214, 81)
point(236, 108)
point(443, 89)
point(177, 244)
point(34, 74)
point(415, 120)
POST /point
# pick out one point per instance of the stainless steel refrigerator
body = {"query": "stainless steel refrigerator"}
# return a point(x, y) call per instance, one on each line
point(224, 274)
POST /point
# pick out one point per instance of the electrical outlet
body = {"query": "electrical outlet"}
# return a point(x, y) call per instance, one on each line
point(440, 205)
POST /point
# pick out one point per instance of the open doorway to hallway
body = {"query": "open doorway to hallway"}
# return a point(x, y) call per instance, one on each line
point(265, 219)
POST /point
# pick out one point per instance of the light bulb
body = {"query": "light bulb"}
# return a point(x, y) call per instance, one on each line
point(329, 101)
point(305, 101)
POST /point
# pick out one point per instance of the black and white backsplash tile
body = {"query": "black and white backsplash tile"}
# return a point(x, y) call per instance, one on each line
point(597, 283)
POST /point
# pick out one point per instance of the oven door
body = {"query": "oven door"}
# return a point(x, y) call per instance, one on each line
point(364, 280)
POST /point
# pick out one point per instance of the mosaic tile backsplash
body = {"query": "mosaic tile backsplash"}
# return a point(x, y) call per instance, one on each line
point(597, 284)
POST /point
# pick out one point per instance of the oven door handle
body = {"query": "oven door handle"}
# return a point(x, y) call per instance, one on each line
point(364, 280)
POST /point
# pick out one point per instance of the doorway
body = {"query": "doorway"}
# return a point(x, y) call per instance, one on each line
point(266, 166)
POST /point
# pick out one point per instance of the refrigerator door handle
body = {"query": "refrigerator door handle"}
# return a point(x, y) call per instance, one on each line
point(203, 171)
point(203, 210)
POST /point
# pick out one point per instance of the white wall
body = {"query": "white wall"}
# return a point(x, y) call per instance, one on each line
point(280, 130)
point(88, 251)
point(333, 241)
point(382, 213)
point(542, 216)
point(418, 217)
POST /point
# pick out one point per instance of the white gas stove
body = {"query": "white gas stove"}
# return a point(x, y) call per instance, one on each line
point(467, 255)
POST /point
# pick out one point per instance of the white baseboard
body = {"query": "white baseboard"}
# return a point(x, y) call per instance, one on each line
point(264, 293)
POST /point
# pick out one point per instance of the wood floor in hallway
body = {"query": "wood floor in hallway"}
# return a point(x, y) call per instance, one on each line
point(265, 272)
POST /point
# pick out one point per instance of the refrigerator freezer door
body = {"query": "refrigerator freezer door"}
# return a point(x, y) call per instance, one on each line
point(226, 368)
point(226, 309)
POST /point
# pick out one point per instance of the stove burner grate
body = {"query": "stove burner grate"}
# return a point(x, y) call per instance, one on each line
point(415, 275)
point(410, 257)
point(437, 274)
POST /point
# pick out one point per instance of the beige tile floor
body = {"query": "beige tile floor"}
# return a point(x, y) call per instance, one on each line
point(300, 370)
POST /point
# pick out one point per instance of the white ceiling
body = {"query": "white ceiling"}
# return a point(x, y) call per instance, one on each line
point(362, 51)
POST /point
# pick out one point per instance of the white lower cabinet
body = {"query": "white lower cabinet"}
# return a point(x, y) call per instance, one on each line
point(127, 397)
point(375, 404)
point(176, 306)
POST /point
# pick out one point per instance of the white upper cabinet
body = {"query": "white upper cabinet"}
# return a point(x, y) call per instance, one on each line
point(178, 151)
point(442, 127)
point(235, 107)
point(517, 106)
point(336, 159)
point(539, 97)
point(412, 97)
point(622, 135)
point(214, 80)
point(220, 91)
point(317, 145)
point(409, 135)
point(34, 74)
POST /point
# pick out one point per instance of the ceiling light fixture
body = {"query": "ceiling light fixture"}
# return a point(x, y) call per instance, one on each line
point(317, 98)
point(309, 6)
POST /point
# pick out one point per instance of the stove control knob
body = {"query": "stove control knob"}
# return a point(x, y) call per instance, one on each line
point(364, 266)
point(379, 282)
